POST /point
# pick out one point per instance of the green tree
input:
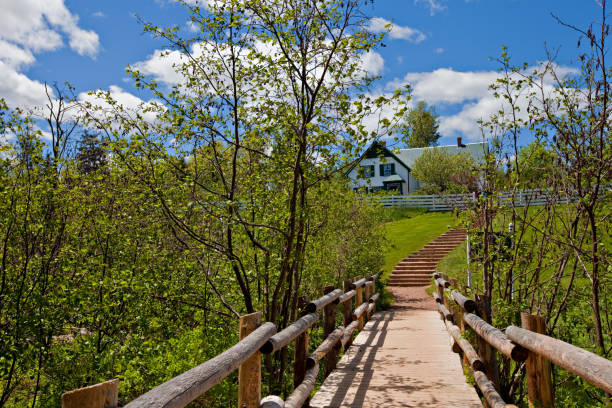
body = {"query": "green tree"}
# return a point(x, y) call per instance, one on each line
point(443, 172)
point(419, 127)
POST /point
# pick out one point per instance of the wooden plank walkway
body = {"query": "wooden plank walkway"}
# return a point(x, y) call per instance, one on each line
point(402, 358)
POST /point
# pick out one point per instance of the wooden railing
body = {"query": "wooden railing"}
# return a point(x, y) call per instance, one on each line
point(258, 338)
point(528, 344)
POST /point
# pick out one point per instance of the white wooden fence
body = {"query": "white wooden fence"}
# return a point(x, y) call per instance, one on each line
point(448, 202)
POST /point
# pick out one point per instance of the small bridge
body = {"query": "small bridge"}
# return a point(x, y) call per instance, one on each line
point(410, 355)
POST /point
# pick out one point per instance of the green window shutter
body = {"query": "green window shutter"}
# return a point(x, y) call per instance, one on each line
point(382, 170)
point(392, 168)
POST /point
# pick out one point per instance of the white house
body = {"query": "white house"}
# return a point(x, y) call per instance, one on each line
point(381, 169)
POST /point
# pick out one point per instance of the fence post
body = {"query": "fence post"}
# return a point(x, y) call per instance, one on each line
point(358, 302)
point(103, 395)
point(249, 373)
point(347, 306)
point(329, 325)
point(538, 369)
point(301, 350)
point(485, 350)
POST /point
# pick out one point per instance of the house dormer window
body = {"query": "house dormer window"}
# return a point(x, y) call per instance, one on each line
point(387, 169)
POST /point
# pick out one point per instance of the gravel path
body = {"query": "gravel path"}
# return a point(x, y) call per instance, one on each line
point(412, 298)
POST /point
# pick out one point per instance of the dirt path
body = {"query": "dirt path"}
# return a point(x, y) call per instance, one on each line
point(402, 358)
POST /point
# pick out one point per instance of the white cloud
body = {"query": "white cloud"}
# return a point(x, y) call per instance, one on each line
point(99, 14)
point(18, 89)
point(372, 62)
point(28, 27)
point(38, 25)
point(468, 92)
point(396, 32)
point(445, 85)
point(439, 50)
point(434, 5)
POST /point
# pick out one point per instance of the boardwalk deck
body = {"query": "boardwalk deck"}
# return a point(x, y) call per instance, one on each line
point(402, 358)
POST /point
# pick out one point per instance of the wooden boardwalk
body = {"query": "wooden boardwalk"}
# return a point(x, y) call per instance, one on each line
point(402, 358)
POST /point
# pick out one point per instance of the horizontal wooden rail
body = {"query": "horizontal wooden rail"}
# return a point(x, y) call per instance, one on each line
point(359, 283)
point(467, 304)
point(302, 391)
point(329, 343)
point(348, 332)
point(441, 283)
point(287, 335)
point(469, 352)
point(374, 298)
point(446, 314)
point(437, 298)
point(488, 391)
point(347, 296)
point(321, 302)
point(357, 313)
point(496, 338)
point(272, 401)
point(593, 368)
point(185, 388)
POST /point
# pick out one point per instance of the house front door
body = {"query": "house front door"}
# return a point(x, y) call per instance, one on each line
point(395, 187)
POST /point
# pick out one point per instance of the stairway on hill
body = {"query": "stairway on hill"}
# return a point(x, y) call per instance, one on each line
point(416, 270)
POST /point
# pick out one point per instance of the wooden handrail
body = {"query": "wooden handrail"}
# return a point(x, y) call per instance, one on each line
point(470, 354)
point(593, 368)
point(330, 342)
point(287, 335)
point(186, 387)
point(488, 391)
point(347, 296)
point(358, 283)
point(467, 304)
point(321, 302)
point(496, 338)
point(302, 391)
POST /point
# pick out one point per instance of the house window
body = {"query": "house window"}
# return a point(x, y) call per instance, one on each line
point(366, 171)
point(387, 169)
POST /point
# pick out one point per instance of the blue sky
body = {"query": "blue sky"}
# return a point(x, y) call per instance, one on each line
point(444, 48)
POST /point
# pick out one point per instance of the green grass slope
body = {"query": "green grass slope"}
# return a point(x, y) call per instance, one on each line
point(409, 235)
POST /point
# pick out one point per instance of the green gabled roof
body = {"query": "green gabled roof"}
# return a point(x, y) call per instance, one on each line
point(477, 150)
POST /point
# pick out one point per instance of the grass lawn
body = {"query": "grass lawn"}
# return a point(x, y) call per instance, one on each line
point(409, 235)
point(454, 264)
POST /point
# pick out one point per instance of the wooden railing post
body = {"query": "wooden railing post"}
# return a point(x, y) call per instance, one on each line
point(249, 373)
point(358, 302)
point(301, 350)
point(347, 306)
point(103, 395)
point(538, 369)
point(485, 350)
point(329, 325)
